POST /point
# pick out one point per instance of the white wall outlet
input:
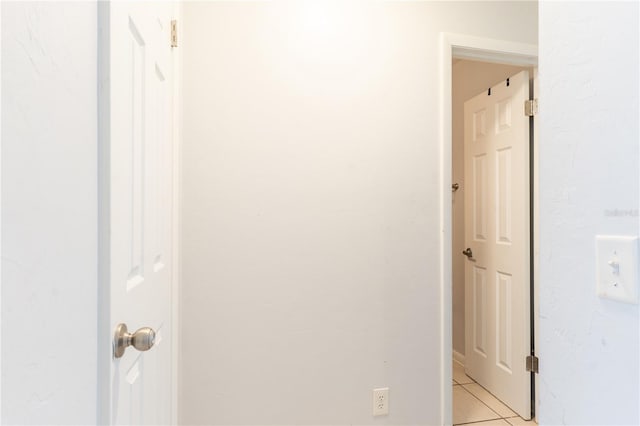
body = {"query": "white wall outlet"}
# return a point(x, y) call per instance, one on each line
point(381, 402)
point(617, 268)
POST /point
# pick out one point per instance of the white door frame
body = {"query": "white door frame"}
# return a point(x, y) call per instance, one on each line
point(0, 213)
point(479, 49)
point(176, 215)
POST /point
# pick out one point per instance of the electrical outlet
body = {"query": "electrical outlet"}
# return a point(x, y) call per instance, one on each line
point(381, 401)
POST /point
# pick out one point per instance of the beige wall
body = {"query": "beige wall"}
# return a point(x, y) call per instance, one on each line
point(469, 79)
point(311, 221)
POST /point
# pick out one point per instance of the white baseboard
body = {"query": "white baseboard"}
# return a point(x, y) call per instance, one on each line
point(457, 356)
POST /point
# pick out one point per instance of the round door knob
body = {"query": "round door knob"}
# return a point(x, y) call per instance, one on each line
point(468, 253)
point(142, 339)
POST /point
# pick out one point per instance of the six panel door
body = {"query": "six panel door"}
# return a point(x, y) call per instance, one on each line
point(497, 223)
point(140, 168)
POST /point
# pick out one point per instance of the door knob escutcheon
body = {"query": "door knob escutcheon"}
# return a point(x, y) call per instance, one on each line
point(142, 339)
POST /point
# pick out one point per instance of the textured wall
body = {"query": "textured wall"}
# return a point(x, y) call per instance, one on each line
point(589, 72)
point(311, 240)
point(49, 220)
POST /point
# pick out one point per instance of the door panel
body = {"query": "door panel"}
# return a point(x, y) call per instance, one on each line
point(480, 310)
point(138, 190)
point(503, 196)
point(480, 197)
point(503, 321)
point(497, 224)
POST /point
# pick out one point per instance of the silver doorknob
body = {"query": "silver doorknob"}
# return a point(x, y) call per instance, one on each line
point(142, 339)
point(468, 253)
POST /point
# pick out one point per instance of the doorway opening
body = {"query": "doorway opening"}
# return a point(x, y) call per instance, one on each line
point(491, 319)
point(477, 66)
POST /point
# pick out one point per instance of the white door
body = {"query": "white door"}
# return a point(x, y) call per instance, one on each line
point(497, 218)
point(136, 139)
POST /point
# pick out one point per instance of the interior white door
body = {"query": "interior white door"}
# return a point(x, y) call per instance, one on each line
point(137, 117)
point(497, 232)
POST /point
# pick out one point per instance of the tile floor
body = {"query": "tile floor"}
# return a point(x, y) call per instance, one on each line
point(472, 404)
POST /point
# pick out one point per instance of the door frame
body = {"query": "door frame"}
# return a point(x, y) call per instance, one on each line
point(104, 331)
point(487, 50)
point(0, 212)
point(176, 221)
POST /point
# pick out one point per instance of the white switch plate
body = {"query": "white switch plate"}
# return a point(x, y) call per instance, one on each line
point(617, 268)
point(381, 402)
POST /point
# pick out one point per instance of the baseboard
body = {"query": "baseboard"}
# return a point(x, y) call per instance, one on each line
point(457, 356)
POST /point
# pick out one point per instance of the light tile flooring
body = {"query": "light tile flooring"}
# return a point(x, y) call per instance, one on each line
point(472, 404)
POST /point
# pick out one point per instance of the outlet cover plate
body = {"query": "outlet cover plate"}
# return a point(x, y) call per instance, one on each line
point(617, 268)
point(381, 401)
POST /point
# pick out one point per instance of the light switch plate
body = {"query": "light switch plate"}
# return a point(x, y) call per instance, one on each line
point(617, 268)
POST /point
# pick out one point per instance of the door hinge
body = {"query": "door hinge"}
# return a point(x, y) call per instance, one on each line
point(532, 364)
point(174, 33)
point(531, 107)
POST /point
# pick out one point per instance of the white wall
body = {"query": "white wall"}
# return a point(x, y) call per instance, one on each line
point(589, 71)
point(49, 222)
point(468, 79)
point(310, 215)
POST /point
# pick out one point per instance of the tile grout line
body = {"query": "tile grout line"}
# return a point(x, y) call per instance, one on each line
point(486, 405)
point(483, 403)
point(462, 385)
point(506, 419)
point(490, 409)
